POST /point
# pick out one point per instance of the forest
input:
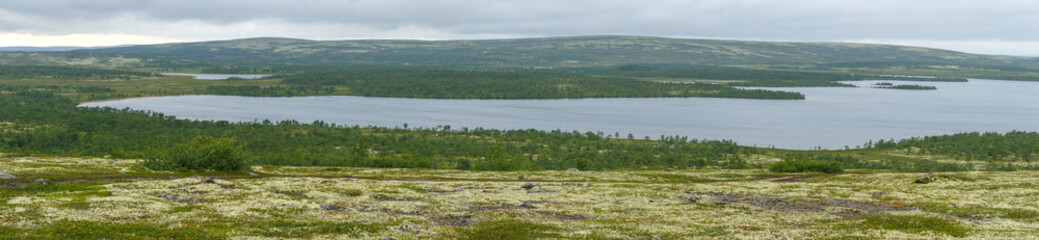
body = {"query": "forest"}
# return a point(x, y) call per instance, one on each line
point(904, 86)
point(44, 123)
point(70, 73)
point(750, 77)
point(428, 83)
point(989, 146)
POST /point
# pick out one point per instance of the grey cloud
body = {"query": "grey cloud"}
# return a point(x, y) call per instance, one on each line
point(799, 20)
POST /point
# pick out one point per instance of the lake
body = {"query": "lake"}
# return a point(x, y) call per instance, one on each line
point(829, 117)
point(217, 76)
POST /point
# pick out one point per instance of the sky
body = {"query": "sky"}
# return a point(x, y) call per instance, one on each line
point(1003, 27)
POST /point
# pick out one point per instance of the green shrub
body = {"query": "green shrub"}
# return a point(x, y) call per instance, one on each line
point(201, 153)
point(807, 166)
point(916, 224)
point(506, 230)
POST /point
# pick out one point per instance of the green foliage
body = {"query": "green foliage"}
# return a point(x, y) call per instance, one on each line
point(748, 77)
point(58, 127)
point(269, 91)
point(106, 230)
point(422, 83)
point(201, 153)
point(807, 166)
point(293, 229)
point(70, 73)
point(979, 212)
point(990, 146)
point(916, 224)
point(506, 230)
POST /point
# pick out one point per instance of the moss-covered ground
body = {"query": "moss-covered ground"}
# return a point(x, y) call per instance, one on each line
point(113, 199)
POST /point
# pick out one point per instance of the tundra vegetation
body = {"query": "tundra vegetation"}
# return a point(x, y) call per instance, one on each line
point(91, 173)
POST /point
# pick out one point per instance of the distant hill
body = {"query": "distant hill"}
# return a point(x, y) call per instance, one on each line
point(580, 51)
point(38, 49)
point(46, 49)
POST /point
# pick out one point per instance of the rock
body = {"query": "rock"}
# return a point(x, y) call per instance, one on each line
point(330, 207)
point(253, 174)
point(573, 169)
point(410, 228)
point(877, 195)
point(220, 182)
point(40, 181)
point(927, 178)
point(207, 180)
point(4, 175)
point(528, 186)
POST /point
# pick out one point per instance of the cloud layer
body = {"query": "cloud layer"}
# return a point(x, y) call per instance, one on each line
point(886, 21)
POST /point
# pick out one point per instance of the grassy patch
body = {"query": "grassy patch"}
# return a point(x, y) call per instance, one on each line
point(292, 229)
point(80, 189)
point(915, 224)
point(411, 187)
point(183, 209)
point(507, 229)
point(979, 212)
point(677, 178)
point(280, 212)
point(351, 192)
point(105, 230)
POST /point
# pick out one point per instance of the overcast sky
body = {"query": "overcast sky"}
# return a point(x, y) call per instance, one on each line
point(1008, 27)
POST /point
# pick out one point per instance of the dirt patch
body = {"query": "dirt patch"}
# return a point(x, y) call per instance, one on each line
point(459, 221)
point(846, 208)
point(189, 199)
point(385, 197)
point(503, 207)
point(564, 217)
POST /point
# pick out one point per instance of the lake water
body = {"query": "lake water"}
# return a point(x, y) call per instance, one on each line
point(217, 76)
point(830, 117)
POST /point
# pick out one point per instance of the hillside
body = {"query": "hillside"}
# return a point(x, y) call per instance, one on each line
point(580, 51)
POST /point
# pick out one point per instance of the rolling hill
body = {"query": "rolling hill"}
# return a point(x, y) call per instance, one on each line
point(580, 51)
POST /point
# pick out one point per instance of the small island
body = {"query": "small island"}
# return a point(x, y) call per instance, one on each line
point(904, 87)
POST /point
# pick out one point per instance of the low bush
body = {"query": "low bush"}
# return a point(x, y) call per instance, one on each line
point(916, 224)
point(201, 153)
point(807, 166)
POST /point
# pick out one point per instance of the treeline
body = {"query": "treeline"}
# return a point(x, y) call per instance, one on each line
point(54, 72)
point(81, 89)
point(749, 77)
point(44, 123)
point(269, 91)
point(849, 161)
point(464, 84)
point(906, 87)
point(989, 146)
point(754, 77)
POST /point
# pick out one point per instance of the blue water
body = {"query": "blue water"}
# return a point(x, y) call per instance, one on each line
point(830, 117)
point(217, 76)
